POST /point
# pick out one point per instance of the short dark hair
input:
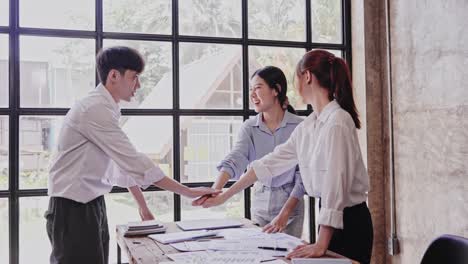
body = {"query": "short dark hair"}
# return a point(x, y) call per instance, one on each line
point(118, 58)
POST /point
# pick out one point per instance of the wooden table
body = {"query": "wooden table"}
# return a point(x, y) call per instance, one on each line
point(144, 250)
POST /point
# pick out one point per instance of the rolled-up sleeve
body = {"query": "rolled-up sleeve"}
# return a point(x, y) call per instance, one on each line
point(132, 167)
point(336, 180)
point(237, 160)
point(283, 158)
point(298, 191)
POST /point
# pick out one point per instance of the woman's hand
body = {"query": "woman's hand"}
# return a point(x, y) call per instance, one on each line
point(307, 251)
point(278, 224)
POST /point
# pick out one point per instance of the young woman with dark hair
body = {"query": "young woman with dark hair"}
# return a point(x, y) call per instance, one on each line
point(326, 147)
point(276, 205)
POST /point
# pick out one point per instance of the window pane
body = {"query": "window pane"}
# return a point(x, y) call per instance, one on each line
point(55, 72)
point(284, 58)
point(138, 16)
point(4, 151)
point(205, 141)
point(210, 76)
point(219, 18)
point(232, 208)
point(151, 135)
point(32, 230)
point(4, 231)
point(122, 208)
point(337, 53)
point(277, 19)
point(326, 21)
point(57, 14)
point(4, 10)
point(4, 50)
point(156, 80)
point(38, 140)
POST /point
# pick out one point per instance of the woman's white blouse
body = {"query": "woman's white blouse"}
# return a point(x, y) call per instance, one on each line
point(327, 150)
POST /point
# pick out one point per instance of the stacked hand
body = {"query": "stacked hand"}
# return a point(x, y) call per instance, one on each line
point(307, 251)
point(209, 200)
point(202, 191)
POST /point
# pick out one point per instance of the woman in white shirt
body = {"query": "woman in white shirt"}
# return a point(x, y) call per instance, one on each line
point(326, 147)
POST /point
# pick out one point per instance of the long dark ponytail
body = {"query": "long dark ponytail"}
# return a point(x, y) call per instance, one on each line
point(333, 74)
point(276, 80)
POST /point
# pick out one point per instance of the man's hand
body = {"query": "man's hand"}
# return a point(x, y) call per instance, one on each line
point(145, 214)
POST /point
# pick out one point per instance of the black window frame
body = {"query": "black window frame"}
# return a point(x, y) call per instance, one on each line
point(14, 111)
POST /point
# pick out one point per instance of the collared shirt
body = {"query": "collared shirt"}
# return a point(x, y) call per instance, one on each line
point(254, 141)
point(327, 150)
point(93, 152)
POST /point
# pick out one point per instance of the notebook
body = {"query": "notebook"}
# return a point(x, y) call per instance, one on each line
point(142, 232)
point(208, 224)
point(143, 228)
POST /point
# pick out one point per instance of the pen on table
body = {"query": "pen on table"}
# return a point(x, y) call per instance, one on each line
point(268, 260)
point(274, 248)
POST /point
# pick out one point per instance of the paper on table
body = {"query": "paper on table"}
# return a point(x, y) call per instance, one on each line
point(191, 245)
point(276, 239)
point(190, 257)
point(245, 245)
point(320, 261)
point(227, 245)
point(276, 261)
point(220, 257)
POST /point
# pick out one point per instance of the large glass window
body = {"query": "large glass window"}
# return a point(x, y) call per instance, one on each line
point(326, 21)
point(277, 20)
point(221, 68)
point(4, 8)
point(4, 231)
point(218, 18)
point(57, 14)
point(55, 72)
point(185, 117)
point(138, 16)
point(205, 141)
point(4, 152)
point(38, 141)
point(151, 135)
point(4, 70)
point(32, 230)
